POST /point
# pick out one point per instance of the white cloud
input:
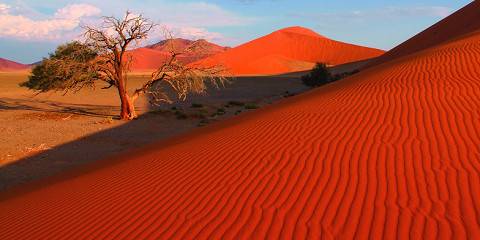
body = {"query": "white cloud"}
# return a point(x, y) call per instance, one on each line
point(77, 11)
point(200, 14)
point(186, 19)
point(4, 8)
point(195, 33)
point(58, 26)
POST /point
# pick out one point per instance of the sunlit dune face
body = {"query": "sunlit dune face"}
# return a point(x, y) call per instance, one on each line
point(288, 50)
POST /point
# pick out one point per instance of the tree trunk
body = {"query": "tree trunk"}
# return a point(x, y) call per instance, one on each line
point(127, 111)
point(131, 107)
point(127, 107)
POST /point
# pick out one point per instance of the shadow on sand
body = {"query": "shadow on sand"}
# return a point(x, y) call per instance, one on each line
point(46, 106)
point(149, 128)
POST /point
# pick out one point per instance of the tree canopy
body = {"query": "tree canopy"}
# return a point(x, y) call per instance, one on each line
point(70, 68)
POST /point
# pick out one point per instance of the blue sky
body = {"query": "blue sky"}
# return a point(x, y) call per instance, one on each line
point(29, 29)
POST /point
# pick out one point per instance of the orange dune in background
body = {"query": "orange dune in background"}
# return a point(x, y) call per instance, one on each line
point(154, 56)
point(288, 50)
point(391, 152)
point(147, 59)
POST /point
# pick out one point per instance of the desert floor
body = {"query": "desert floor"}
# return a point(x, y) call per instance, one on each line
point(49, 133)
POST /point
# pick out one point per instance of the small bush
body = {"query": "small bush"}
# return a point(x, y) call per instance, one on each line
point(203, 122)
point(288, 94)
point(236, 103)
point(197, 105)
point(251, 106)
point(344, 75)
point(160, 111)
point(181, 115)
point(221, 111)
point(198, 115)
point(320, 75)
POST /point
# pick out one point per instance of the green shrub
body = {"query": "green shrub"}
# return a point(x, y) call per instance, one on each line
point(320, 75)
point(288, 94)
point(197, 105)
point(198, 115)
point(221, 111)
point(236, 103)
point(251, 106)
point(340, 76)
point(181, 115)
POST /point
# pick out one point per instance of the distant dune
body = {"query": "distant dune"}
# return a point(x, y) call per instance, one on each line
point(288, 50)
point(8, 66)
point(391, 152)
point(153, 56)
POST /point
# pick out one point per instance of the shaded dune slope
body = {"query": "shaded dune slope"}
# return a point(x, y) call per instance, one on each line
point(300, 46)
point(391, 152)
point(464, 21)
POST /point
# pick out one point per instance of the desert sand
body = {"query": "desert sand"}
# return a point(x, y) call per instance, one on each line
point(51, 133)
point(391, 152)
point(291, 49)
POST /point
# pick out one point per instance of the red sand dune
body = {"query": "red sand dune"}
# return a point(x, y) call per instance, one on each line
point(283, 50)
point(392, 152)
point(7, 65)
point(461, 22)
point(153, 56)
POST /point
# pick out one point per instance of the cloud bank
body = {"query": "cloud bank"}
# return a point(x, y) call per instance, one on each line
point(53, 27)
point(188, 19)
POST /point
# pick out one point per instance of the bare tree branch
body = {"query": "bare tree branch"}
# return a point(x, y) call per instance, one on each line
point(182, 79)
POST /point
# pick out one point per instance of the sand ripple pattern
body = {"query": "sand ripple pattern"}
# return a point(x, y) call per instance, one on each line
point(390, 153)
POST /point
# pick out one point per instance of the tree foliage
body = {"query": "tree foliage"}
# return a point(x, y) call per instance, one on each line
point(70, 68)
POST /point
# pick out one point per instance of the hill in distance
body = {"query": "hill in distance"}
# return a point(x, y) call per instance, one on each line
point(153, 56)
point(288, 50)
point(8, 65)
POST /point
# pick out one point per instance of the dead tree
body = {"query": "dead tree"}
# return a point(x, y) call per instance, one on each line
point(110, 63)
